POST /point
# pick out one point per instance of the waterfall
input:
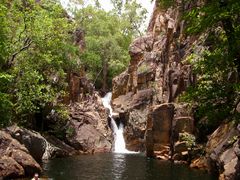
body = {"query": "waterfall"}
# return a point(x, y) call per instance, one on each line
point(119, 142)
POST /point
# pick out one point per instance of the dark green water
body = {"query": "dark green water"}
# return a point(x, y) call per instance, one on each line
point(119, 167)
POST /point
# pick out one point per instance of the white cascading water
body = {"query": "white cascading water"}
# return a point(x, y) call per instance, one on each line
point(119, 142)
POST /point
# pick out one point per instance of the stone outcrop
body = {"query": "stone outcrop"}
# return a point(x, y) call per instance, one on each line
point(80, 88)
point(22, 149)
point(38, 147)
point(159, 125)
point(158, 65)
point(88, 130)
point(15, 160)
point(223, 152)
point(155, 121)
point(65, 149)
point(132, 109)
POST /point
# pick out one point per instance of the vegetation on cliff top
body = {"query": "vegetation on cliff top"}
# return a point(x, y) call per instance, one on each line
point(37, 52)
point(108, 36)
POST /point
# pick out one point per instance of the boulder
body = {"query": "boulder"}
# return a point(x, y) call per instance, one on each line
point(181, 125)
point(199, 163)
point(222, 151)
point(180, 147)
point(88, 130)
point(18, 159)
point(159, 125)
point(163, 154)
point(87, 139)
point(177, 157)
point(119, 86)
point(162, 116)
point(37, 145)
point(149, 144)
point(66, 150)
point(133, 111)
point(9, 168)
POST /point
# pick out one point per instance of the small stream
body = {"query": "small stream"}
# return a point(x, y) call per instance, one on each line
point(114, 166)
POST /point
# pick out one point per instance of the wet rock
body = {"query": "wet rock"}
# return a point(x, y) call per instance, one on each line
point(16, 156)
point(199, 163)
point(65, 149)
point(163, 154)
point(177, 157)
point(163, 157)
point(9, 168)
point(88, 139)
point(149, 144)
point(133, 111)
point(181, 125)
point(221, 151)
point(159, 125)
point(37, 145)
point(180, 147)
point(89, 130)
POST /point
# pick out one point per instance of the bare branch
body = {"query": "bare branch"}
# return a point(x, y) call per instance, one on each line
point(26, 45)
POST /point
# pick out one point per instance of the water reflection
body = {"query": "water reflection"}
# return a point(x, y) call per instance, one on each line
point(119, 165)
point(115, 166)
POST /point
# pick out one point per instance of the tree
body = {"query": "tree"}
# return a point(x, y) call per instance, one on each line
point(216, 93)
point(108, 36)
point(5, 78)
point(39, 51)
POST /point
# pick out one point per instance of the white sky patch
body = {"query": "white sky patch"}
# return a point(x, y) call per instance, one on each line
point(107, 6)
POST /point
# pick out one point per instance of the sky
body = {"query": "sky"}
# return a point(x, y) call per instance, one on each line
point(106, 4)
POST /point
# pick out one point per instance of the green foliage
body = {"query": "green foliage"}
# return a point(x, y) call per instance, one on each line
point(36, 51)
point(5, 109)
point(165, 3)
point(59, 118)
point(217, 66)
point(108, 36)
point(70, 131)
point(188, 138)
point(5, 100)
point(233, 140)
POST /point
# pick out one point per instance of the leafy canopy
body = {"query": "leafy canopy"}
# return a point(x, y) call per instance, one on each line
point(108, 36)
point(216, 93)
point(36, 52)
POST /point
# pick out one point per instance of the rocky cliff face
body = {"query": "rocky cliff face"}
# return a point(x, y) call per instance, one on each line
point(146, 97)
point(88, 129)
point(223, 151)
point(146, 93)
point(15, 158)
